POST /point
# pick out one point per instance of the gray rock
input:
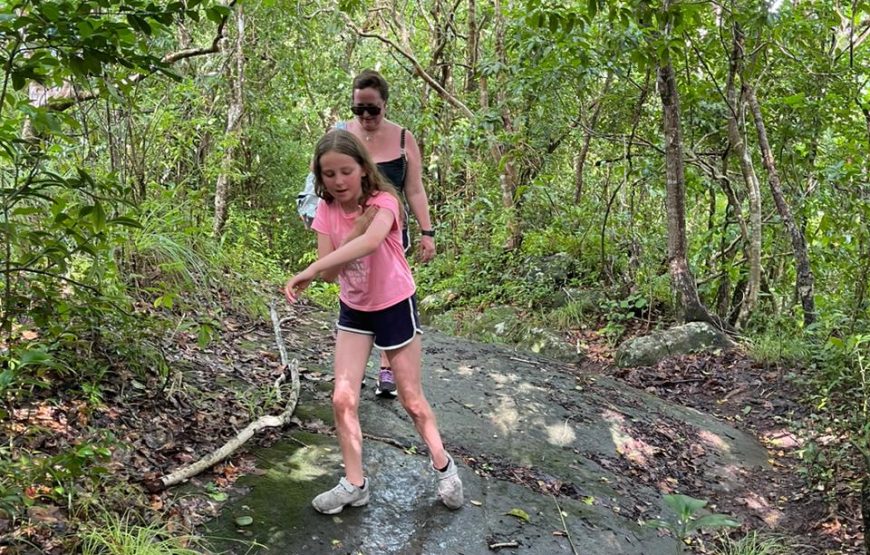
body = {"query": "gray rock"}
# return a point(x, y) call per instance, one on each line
point(436, 302)
point(587, 436)
point(557, 269)
point(689, 338)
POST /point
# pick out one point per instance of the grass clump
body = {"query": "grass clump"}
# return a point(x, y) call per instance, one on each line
point(752, 543)
point(119, 535)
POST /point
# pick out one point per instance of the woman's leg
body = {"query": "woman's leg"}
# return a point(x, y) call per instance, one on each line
point(406, 364)
point(351, 354)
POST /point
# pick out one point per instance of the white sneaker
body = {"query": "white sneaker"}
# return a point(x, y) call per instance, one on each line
point(449, 485)
point(333, 501)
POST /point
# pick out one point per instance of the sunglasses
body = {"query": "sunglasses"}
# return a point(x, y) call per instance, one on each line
point(360, 110)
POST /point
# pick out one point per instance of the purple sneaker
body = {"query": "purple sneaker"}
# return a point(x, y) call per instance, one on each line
point(386, 384)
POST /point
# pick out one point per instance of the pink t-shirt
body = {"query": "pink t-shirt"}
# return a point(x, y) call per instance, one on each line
point(379, 280)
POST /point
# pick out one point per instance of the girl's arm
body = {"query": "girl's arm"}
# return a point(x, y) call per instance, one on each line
point(331, 263)
point(324, 243)
point(417, 198)
point(324, 247)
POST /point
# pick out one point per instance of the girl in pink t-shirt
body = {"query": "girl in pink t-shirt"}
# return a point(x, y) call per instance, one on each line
point(359, 225)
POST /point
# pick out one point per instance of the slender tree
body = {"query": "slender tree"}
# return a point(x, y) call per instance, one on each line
point(804, 281)
point(236, 107)
point(736, 127)
point(690, 306)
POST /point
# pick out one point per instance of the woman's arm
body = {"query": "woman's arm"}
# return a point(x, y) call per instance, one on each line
point(417, 198)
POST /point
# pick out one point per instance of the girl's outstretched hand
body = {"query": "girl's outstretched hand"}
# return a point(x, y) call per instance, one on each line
point(298, 283)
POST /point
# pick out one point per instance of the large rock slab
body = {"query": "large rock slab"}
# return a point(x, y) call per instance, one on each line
point(521, 427)
point(689, 338)
point(507, 325)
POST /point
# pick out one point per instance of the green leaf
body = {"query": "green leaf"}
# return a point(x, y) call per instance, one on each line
point(244, 520)
point(222, 496)
point(50, 11)
point(99, 217)
point(795, 100)
point(139, 23)
point(29, 358)
point(519, 513)
point(683, 504)
point(658, 524)
point(125, 221)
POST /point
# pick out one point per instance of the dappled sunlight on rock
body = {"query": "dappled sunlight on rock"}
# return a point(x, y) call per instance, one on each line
point(502, 380)
point(781, 439)
point(465, 370)
point(505, 416)
point(709, 438)
point(561, 435)
point(731, 474)
point(527, 387)
point(635, 450)
point(308, 463)
point(612, 416)
point(758, 504)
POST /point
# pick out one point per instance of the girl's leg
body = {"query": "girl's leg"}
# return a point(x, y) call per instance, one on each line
point(406, 364)
point(351, 354)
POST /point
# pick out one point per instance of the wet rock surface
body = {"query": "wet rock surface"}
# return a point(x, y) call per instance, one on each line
point(528, 433)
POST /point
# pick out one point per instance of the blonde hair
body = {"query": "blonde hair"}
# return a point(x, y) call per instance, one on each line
point(344, 142)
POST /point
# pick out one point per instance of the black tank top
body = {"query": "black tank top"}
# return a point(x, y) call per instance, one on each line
point(396, 169)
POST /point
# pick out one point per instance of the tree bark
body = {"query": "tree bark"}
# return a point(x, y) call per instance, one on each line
point(508, 177)
point(471, 48)
point(691, 308)
point(804, 280)
point(736, 122)
point(234, 118)
point(587, 140)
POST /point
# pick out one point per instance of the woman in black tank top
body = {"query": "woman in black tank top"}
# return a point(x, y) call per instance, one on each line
point(380, 136)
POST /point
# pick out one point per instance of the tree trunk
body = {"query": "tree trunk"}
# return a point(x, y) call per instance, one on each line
point(736, 123)
point(234, 118)
point(441, 65)
point(471, 50)
point(804, 281)
point(508, 177)
point(587, 140)
point(691, 308)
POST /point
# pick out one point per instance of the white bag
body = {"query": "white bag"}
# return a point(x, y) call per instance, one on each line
point(307, 200)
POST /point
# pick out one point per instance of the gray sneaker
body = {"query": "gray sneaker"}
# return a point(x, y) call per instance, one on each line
point(333, 501)
point(450, 485)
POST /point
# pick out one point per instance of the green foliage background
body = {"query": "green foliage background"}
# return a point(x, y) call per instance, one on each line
point(107, 190)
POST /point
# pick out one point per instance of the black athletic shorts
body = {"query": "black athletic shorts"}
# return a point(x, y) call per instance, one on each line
point(392, 327)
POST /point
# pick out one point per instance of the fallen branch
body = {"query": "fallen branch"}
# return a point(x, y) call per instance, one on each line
point(268, 421)
point(494, 546)
point(564, 525)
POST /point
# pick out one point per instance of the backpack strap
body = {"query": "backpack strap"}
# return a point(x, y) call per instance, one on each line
point(404, 155)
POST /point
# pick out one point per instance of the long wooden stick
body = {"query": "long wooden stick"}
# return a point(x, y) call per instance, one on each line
point(564, 525)
point(268, 421)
